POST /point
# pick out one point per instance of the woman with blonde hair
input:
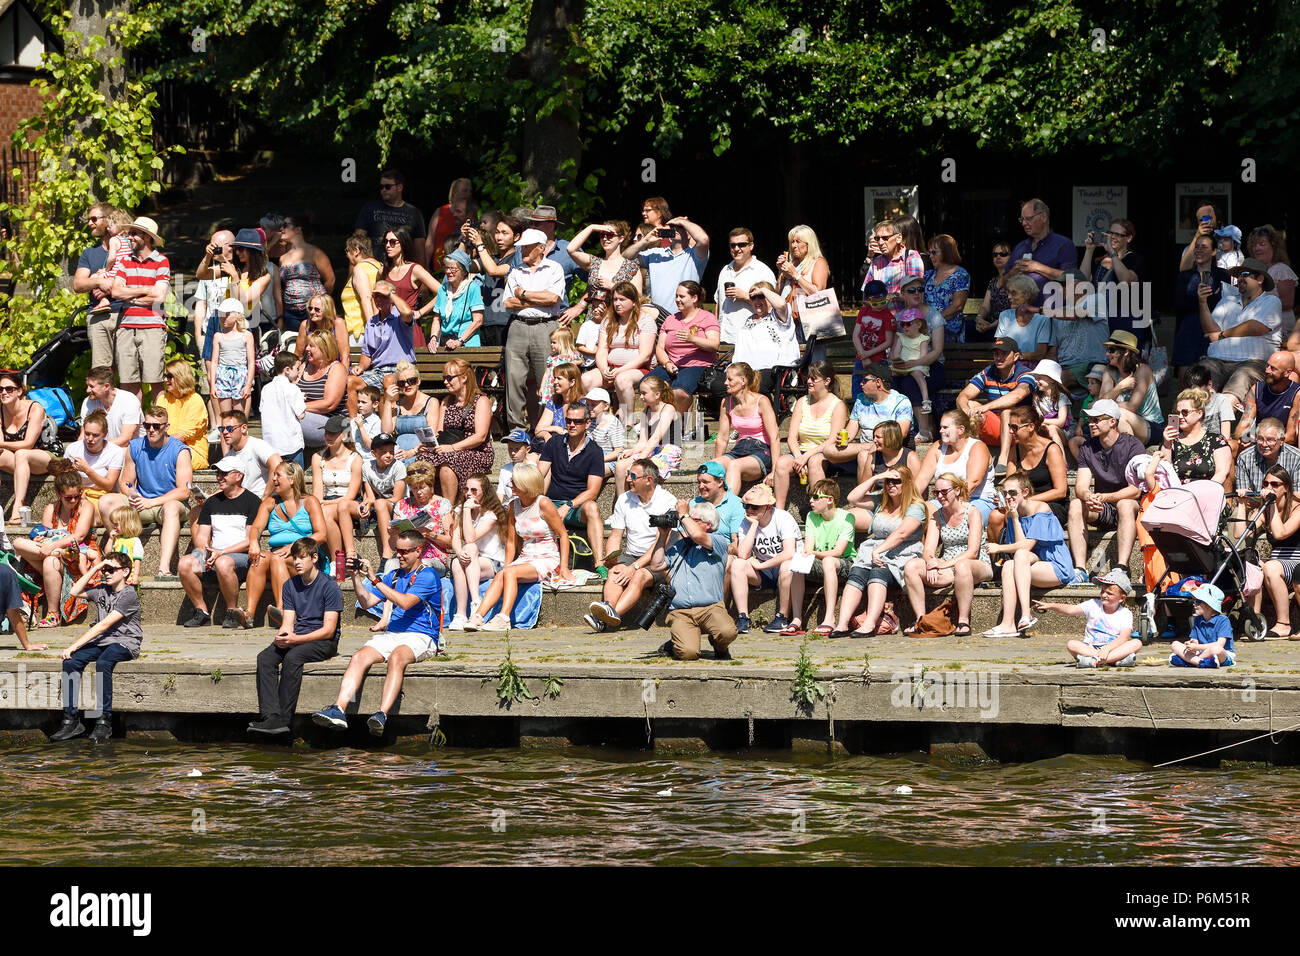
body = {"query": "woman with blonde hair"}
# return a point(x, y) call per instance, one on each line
point(321, 317)
point(751, 415)
point(537, 545)
point(802, 270)
point(955, 552)
point(187, 413)
point(404, 409)
point(323, 384)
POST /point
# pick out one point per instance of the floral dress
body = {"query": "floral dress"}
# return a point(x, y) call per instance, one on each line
point(439, 509)
point(467, 462)
point(939, 295)
point(1196, 461)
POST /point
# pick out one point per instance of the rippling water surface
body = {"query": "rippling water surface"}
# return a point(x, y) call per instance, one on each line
point(133, 803)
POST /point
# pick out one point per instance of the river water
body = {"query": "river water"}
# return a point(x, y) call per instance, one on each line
point(133, 803)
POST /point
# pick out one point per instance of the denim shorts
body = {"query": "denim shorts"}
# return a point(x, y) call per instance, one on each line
point(752, 448)
point(861, 576)
point(687, 379)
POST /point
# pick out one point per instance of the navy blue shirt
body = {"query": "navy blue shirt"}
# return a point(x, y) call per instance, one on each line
point(569, 476)
point(309, 602)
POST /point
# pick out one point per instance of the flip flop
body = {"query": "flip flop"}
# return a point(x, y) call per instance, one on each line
point(823, 630)
point(962, 630)
point(1026, 624)
point(792, 630)
point(998, 632)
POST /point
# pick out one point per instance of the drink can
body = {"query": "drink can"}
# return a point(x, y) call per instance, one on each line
point(844, 436)
point(803, 477)
point(340, 566)
point(25, 514)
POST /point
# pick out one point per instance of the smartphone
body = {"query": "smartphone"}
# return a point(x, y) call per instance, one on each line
point(1171, 421)
point(1205, 219)
point(728, 285)
point(665, 233)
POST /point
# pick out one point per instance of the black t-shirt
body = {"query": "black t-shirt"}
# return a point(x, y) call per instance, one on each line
point(377, 217)
point(309, 602)
point(229, 518)
point(569, 476)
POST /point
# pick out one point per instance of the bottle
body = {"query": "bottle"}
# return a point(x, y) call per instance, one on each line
point(340, 566)
point(803, 477)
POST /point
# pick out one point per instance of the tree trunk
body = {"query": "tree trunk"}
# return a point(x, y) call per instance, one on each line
point(552, 144)
point(90, 18)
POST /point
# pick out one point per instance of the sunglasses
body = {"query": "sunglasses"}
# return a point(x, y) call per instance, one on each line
point(1000, 254)
point(388, 185)
point(1273, 484)
point(71, 498)
point(155, 426)
point(827, 497)
point(893, 481)
point(632, 477)
point(738, 245)
point(575, 421)
point(409, 550)
point(6, 389)
point(447, 379)
point(227, 428)
point(408, 382)
point(753, 508)
point(943, 492)
point(391, 242)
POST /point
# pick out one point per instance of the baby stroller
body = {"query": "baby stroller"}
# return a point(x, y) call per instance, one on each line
point(1187, 525)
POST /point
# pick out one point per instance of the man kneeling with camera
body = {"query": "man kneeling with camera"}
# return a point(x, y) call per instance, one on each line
point(697, 562)
point(644, 514)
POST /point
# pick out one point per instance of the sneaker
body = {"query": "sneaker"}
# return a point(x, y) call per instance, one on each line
point(603, 612)
point(719, 653)
point(1080, 579)
point(268, 726)
point(1085, 661)
point(233, 619)
point(927, 406)
point(498, 623)
point(779, 624)
point(274, 616)
point(71, 727)
point(103, 731)
point(602, 572)
point(457, 623)
point(742, 624)
point(474, 623)
point(214, 437)
point(331, 718)
point(595, 625)
point(377, 722)
point(1129, 661)
point(200, 618)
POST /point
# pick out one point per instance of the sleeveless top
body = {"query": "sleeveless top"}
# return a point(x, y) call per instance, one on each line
point(673, 436)
point(284, 529)
point(313, 390)
point(1270, 404)
point(746, 426)
point(445, 227)
point(985, 490)
point(404, 288)
point(956, 538)
point(20, 433)
point(299, 281)
point(1150, 408)
point(536, 541)
point(335, 481)
point(1040, 475)
point(1286, 549)
point(813, 431)
point(232, 350)
point(352, 317)
point(491, 546)
point(625, 272)
point(407, 424)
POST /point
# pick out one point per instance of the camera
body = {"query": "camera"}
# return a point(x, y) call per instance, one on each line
point(354, 563)
point(663, 593)
point(668, 519)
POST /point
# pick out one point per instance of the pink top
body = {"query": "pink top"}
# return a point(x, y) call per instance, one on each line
point(685, 354)
point(747, 426)
point(625, 345)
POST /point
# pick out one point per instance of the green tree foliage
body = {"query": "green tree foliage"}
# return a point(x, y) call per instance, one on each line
point(1150, 77)
point(93, 142)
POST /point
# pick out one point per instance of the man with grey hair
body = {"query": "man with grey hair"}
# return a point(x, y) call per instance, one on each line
point(1043, 255)
point(534, 297)
point(696, 570)
point(1268, 450)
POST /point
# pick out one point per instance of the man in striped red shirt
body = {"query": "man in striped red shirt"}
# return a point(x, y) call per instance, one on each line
point(140, 281)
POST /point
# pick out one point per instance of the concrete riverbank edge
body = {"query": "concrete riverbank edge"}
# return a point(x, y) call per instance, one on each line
point(894, 697)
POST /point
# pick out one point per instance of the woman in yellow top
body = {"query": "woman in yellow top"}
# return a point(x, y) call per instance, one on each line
point(363, 272)
point(187, 413)
point(815, 420)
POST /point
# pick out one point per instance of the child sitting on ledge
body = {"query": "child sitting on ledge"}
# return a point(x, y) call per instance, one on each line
point(1210, 643)
point(1108, 634)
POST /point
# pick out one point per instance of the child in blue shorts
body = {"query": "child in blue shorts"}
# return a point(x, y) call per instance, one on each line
point(1210, 643)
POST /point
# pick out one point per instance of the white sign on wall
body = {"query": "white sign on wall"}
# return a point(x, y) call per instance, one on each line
point(1095, 208)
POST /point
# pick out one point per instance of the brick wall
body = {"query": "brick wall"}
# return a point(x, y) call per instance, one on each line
point(17, 102)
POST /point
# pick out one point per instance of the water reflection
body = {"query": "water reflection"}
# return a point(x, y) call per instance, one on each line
point(132, 804)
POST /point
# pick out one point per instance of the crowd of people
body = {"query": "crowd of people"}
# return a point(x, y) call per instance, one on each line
point(603, 387)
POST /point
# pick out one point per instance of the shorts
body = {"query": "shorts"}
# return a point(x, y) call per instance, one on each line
point(422, 645)
point(140, 355)
point(862, 575)
point(984, 507)
point(375, 375)
point(752, 448)
point(102, 332)
point(1080, 371)
point(152, 515)
point(574, 518)
point(544, 564)
point(686, 379)
point(1108, 519)
point(1230, 658)
point(815, 573)
point(231, 380)
point(660, 577)
point(240, 559)
point(768, 579)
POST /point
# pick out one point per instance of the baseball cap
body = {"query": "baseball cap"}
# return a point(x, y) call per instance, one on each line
point(231, 305)
point(597, 395)
point(229, 463)
point(1103, 408)
point(875, 290)
point(1117, 577)
point(383, 438)
point(518, 437)
point(336, 424)
point(879, 370)
point(532, 237)
point(911, 280)
point(1006, 343)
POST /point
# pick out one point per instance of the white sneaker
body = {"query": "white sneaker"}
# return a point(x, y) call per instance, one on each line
point(1130, 661)
point(498, 623)
point(457, 623)
point(1085, 661)
point(473, 624)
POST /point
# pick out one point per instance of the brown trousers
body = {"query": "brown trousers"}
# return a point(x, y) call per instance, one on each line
point(687, 624)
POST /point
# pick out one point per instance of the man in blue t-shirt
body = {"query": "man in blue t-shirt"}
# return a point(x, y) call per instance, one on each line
point(670, 267)
point(696, 569)
point(309, 631)
point(415, 593)
point(574, 468)
point(155, 481)
point(101, 326)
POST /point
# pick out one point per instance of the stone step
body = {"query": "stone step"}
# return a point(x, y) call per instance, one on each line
point(165, 603)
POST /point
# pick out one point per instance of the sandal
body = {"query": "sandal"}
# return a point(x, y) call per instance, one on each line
point(50, 620)
point(823, 630)
point(794, 629)
point(1026, 624)
point(1285, 632)
point(962, 630)
point(998, 632)
point(909, 630)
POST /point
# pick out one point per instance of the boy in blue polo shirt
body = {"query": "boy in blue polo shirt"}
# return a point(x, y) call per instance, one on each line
point(1210, 643)
point(412, 636)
